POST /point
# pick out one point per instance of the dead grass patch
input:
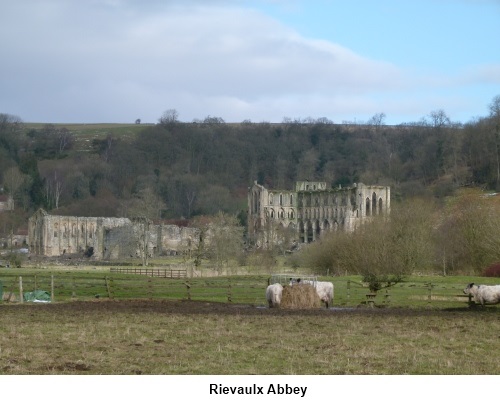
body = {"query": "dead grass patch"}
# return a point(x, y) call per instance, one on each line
point(179, 337)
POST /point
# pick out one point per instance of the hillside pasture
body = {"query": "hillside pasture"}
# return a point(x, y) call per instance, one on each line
point(84, 134)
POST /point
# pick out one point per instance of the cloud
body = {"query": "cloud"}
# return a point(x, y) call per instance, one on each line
point(118, 60)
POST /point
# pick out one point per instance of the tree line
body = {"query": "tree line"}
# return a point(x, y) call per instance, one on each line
point(175, 170)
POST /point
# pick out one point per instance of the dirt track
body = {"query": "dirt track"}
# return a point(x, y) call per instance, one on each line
point(201, 307)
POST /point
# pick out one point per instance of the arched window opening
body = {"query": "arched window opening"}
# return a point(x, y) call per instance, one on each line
point(326, 225)
point(368, 206)
point(302, 236)
point(281, 199)
point(353, 199)
point(270, 199)
point(309, 232)
point(291, 199)
point(374, 203)
point(380, 204)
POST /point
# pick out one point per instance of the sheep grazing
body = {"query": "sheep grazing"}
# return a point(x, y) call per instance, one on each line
point(273, 295)
point(324, 289)
point(484, 294)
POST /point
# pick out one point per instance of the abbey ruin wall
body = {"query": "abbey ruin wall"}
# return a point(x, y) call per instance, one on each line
point(303, 214)
point(105, 238)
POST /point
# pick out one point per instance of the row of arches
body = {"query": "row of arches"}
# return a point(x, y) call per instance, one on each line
point(281, 199)
point(307, 231)
point(280, 214)
point(373, 206)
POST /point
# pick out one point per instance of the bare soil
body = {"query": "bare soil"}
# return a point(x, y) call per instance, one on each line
point(189, 307)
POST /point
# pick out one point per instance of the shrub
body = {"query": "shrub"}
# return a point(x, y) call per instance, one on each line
point(15, 260)
point(492, 271)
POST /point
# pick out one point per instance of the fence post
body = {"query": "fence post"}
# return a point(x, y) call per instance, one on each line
point(21, 297)
point(348, 291)
point(52, 288)
point(150, 287)
point(188, 290)
point(229, 290)
point(108, 289)
point(73, 292)
point(387, 297)
point(429, 296)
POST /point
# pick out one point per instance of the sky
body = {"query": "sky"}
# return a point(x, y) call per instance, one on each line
point(115, 61)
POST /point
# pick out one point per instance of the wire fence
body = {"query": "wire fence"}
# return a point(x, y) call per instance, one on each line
point(238, 290)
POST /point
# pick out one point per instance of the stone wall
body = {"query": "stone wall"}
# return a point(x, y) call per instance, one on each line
point(105, 238)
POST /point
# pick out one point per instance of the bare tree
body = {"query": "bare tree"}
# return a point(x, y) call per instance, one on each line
point(142, 227)
point(146, 203)
point(13, 180)
point(65, 139)
point(495, 107)
point(439, 119)
point(384, 251)
point(57, 188)
point(495, 116)
point(169, 117)
point(223, 240)
point(377, 120)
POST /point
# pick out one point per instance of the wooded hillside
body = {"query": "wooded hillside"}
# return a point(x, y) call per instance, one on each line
point(175, 170)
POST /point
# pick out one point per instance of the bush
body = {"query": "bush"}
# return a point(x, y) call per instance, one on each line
point(492, 271)
point(15, 260)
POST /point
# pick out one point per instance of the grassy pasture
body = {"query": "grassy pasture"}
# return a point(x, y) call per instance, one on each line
point(150, 327)
point(416, 292)
point(84, 134)
point(174, 337)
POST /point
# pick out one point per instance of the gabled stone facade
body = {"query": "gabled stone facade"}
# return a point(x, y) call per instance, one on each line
point(105, 238)
point(6, 203)
point(304, 214)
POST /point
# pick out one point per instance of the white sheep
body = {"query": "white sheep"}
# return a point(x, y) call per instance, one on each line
point(324, 289)
point(273, 295)
point(483, 294)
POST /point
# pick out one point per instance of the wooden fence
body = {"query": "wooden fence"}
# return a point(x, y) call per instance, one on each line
point(242, 290)
point(160, 272)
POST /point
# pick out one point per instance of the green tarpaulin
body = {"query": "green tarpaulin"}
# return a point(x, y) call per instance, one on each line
point(37, 296)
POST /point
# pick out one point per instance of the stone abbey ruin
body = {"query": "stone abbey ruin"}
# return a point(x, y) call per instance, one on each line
point(290, 217)
point(302, 215)
point(105, 238)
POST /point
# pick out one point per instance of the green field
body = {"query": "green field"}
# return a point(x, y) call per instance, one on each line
point(84, 134)
point(433, 292)
point(107, 323)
